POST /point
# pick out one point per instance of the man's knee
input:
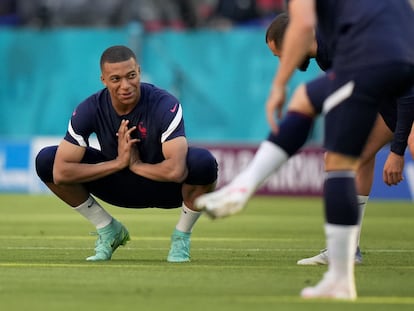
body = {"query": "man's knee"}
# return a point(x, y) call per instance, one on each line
point(335, 161)
point(44, 163)
point(202, 167)
point(301, 102)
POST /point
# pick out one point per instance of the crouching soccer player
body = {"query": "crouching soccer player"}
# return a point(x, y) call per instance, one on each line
point(144, 160)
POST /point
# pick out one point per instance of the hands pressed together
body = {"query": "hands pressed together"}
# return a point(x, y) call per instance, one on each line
point(127, 150)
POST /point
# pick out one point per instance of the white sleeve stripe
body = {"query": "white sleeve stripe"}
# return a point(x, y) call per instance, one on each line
point(76, 137)
point(175, 122)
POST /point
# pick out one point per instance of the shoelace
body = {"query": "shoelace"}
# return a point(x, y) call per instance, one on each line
point(100, 244)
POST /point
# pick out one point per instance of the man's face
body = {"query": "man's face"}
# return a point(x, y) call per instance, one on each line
point(123, 83)
point(273, 48)
point(278, 53)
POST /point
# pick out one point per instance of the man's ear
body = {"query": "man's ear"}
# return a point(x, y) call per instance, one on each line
point(103, 80)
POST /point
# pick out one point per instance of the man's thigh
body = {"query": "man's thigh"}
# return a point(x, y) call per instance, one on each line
point(126, 189)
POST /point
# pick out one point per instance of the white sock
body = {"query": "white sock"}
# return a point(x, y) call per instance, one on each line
point(94, 212)
point(362, 203)
point(267, 159)
point(341, 241)
point(187, 219)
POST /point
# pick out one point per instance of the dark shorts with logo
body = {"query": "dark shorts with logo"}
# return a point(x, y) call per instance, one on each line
point(350, 101)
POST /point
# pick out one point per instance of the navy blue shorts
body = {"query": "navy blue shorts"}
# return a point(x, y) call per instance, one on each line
point(126, 189)
point(351, 100)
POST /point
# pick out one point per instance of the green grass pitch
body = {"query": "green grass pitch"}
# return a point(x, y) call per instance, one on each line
point(246, 262)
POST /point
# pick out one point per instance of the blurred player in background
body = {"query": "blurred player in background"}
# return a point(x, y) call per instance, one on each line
point(144, 161)
point(372, 48)
point(392, 118)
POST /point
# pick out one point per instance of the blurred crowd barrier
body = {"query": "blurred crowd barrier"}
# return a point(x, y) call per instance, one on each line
point(302, 175)
point(17, 171)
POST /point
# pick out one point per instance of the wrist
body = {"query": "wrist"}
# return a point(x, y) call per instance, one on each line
point(398, 149)
point(279, 88)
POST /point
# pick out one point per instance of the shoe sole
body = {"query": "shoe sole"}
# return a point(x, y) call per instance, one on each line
point(177, 260)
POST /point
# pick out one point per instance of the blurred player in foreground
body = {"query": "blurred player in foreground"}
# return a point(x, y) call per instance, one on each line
point(372, 48)
point(397, 117)
point(144, 161)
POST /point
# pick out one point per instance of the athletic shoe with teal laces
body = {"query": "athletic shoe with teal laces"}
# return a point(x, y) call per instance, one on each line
point(180, 247)
point(109, 239)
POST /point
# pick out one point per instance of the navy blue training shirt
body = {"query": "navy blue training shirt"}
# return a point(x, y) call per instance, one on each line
point(158, 117)
point(354, 29)
point(323, 57)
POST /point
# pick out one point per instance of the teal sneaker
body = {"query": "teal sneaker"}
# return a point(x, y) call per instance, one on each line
point(180, 247)
point(109, 239)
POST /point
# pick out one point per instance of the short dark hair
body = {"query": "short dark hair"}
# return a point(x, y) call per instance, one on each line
point(117, 54)
point(277, 28)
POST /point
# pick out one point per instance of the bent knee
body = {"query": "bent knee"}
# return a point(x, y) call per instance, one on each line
point(44, 163)
point(202, 167)
point(336, 161)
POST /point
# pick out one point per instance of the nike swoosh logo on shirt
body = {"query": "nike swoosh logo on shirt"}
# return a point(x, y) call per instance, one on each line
point(174, 108)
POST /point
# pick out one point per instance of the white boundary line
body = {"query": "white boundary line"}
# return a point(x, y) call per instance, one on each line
point(204, 249)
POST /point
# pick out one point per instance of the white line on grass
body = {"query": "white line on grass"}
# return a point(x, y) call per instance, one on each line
point(387, 300)
point(203, 249)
